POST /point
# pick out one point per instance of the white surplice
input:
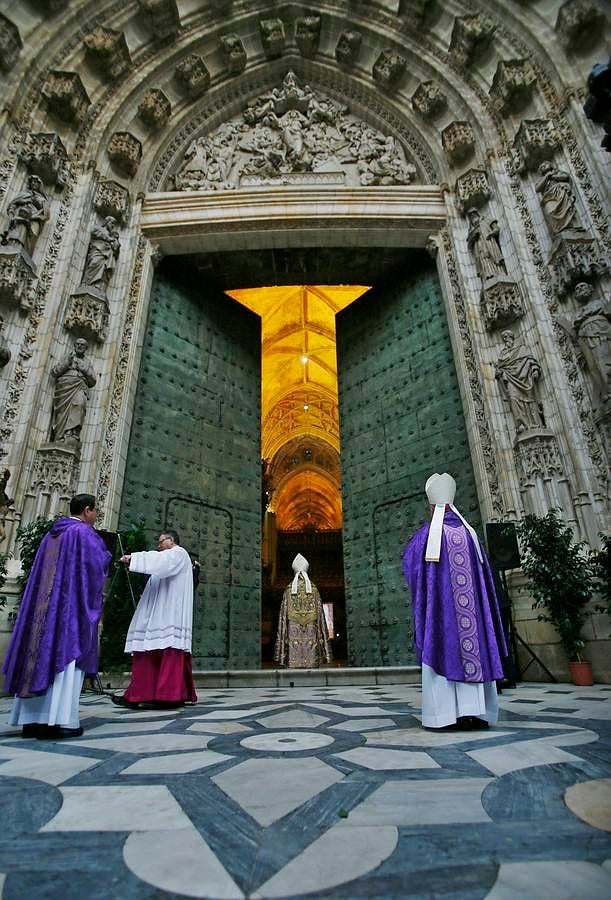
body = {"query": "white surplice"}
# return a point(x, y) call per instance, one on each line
point(164, 615)
point(444, 701)
point(58, 706)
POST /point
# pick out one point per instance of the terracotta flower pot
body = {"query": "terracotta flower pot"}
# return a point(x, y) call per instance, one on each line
point(581, 673)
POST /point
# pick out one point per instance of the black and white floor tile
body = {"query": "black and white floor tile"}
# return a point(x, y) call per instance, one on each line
point(305, 793)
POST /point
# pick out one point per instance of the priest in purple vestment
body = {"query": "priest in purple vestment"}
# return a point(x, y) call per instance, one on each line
point(457, 625)
point(55, 640)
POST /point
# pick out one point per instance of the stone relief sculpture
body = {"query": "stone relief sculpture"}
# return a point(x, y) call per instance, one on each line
point(519, 373)
point(5, 353)
point(591, 332)
point(73, 377)
point(485, 246)
point(5, 503)
point(557, 199)
point(27, 213)
point(102, 254)
point(289, 131)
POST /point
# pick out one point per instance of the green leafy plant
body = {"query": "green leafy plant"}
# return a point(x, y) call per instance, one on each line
point(118, 605)
point(560, 577)
point(601, 566)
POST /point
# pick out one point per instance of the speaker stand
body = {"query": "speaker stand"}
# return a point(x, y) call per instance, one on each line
point(515, 638)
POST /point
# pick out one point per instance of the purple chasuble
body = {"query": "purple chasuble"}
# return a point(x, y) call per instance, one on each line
point(457, 624)
point(59, 613)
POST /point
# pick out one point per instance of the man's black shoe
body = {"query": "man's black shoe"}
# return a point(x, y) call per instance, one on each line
point(120, 700)
point(55, 732)
point(32, 730)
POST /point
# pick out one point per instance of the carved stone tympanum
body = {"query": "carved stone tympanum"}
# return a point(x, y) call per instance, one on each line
point(388, 69)
point(470, 35)
point(272, 37)
point(348, 47)
point(536, 140)
point(472, 189)
point(428, 99)
point(458, 141)
point(163, 17)
point(193, 75)
point(234, 53)
point(73, 376)
point(108, 52)
point(45, 156)
point(155, 109)
point(111, 199)
point(513, 84)
point(125, 152)
point(307, 35)
point(579, 24)
point(293, 134)
point(65, 96)
point(519, 372)
point(10, 44)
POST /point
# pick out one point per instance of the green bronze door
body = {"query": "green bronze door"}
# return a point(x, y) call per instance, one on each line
point(401, 419)
point(194, 459)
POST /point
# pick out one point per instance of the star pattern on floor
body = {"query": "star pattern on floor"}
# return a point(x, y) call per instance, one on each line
point(308, 792)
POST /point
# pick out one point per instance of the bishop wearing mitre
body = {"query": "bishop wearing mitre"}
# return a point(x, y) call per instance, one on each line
point(303, 639)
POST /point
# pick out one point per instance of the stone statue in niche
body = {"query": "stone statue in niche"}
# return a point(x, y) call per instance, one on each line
point(5, 502)
point(293, 130)
point(102, 254)
point(485, 246)
point(5, 353)
point(27, 213)
point(73, 377)
point(519, 373)
point(557, 199)
point(591, 332)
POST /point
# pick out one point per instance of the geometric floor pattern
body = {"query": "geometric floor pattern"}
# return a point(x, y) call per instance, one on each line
point(313, 793)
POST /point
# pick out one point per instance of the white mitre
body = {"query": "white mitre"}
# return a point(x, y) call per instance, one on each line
point(300, 567)
point(441, 490)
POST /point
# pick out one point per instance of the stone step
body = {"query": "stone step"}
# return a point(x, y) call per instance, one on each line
point(212, 678)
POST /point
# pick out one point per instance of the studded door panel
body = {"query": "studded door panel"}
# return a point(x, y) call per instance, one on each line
point(401, 419)
point(194, 456)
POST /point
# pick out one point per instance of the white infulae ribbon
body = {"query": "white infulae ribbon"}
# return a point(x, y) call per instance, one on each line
point(433, 544)
point(300, 567)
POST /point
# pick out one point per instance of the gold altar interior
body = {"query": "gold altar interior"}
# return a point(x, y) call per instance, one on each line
point(299, 406)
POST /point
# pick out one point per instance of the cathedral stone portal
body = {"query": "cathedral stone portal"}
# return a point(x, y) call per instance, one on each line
point(195, 451)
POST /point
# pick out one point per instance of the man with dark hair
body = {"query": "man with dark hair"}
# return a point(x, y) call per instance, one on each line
point(55, 640)
point(159, 635)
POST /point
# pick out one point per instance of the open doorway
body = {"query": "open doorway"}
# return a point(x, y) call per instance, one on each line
point(300, 448)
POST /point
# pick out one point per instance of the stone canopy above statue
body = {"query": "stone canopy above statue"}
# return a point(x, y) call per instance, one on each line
point(293, 135)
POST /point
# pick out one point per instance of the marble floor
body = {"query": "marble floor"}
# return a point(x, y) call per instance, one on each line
point(312, 793)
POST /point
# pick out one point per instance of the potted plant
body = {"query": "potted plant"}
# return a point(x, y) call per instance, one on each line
point(560, 578)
